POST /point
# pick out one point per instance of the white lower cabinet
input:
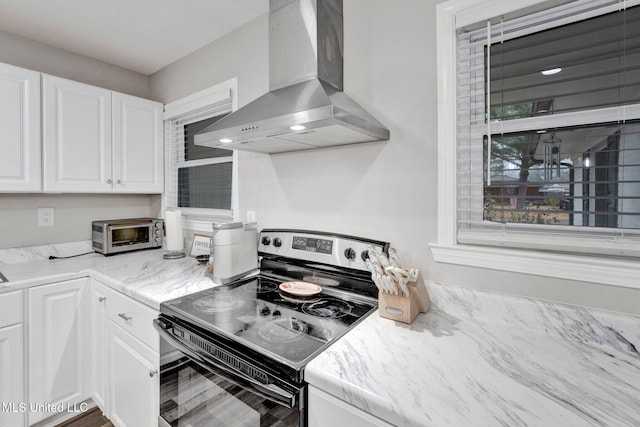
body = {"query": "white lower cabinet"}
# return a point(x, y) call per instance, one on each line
point(133, 380)
point(127, 381)
point(326, 410)
point(13, 409)
point(12, 395)
point(85, 340)
point(59, 346)
point(99, 347)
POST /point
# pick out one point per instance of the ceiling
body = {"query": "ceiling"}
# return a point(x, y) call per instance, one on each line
point(139, 35)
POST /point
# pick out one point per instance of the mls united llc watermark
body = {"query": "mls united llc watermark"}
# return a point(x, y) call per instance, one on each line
point(44, 407)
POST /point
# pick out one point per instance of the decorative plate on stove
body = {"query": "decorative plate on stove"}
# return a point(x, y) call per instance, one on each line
point(297, 299)
point(302, 289)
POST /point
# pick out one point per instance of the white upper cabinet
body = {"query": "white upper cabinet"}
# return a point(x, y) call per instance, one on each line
point(19, 130)
point(99, 141)
point(137, 145)
point(77, 137)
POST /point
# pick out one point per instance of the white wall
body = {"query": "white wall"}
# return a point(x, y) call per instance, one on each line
point(385, 190)
point(27, 53)
point(241, 54)
point(73, 213)
point(327, 189)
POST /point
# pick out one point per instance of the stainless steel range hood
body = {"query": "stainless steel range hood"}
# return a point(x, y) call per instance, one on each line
point(306, 107)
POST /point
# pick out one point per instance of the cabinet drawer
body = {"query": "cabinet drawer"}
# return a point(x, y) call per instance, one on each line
point(10, 308)
point(132, 316)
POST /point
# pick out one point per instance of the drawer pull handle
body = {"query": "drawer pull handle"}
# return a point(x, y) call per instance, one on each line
point(152, 373)
point(125, 317)
point(102, 299)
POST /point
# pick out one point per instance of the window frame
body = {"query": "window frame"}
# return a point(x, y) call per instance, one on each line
point(451, 15)
point(199, 219)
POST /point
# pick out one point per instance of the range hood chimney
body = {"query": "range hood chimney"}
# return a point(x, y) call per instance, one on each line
point(305, 107)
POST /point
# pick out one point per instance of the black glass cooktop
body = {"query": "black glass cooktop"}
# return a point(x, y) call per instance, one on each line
point(256, 313)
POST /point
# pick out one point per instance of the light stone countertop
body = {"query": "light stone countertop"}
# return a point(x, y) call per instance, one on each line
point(142, 275)
point(487, 359)
point(475, 359)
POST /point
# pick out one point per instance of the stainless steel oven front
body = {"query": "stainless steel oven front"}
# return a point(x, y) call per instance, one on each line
point(205, 382)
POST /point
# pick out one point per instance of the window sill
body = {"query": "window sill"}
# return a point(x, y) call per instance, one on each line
point(564, 266)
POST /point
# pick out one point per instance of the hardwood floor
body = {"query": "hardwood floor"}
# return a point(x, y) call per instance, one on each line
point(91, 418)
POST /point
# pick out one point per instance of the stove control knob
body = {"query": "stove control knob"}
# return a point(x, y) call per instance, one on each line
point(350, 254)
point(266, 240)
point(277, 242)
point(364, 255)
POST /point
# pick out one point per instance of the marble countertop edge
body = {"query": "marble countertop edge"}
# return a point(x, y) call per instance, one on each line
point(142, 275)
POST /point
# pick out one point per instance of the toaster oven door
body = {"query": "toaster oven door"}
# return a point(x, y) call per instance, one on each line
point(129, 235)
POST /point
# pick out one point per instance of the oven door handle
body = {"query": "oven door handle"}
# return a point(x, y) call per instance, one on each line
point(267, 391)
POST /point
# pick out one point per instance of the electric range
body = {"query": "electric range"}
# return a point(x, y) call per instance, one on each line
point(248, 342)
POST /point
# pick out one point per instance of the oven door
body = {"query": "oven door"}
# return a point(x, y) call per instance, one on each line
point(197, 390)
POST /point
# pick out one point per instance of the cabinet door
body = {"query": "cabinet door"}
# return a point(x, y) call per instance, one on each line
point(19, 130)
point(12, 396)
point(77, 137)
point(59, 344)
point(99, 347)
point(326, 410)
point(134, 381)
point(137, 145)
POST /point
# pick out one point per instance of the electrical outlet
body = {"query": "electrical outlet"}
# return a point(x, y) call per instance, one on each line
point(251, 216)
point(45, 217)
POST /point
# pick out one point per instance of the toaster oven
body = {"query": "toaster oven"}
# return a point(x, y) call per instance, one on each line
point(124, 235)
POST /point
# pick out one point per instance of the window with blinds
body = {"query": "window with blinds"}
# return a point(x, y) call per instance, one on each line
point(548, 129)
point(200, 177)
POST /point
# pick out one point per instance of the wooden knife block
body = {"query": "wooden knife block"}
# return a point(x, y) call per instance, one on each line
point(404, 309)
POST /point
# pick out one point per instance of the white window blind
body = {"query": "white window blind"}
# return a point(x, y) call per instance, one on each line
point(200, 179)
point(551, 162)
